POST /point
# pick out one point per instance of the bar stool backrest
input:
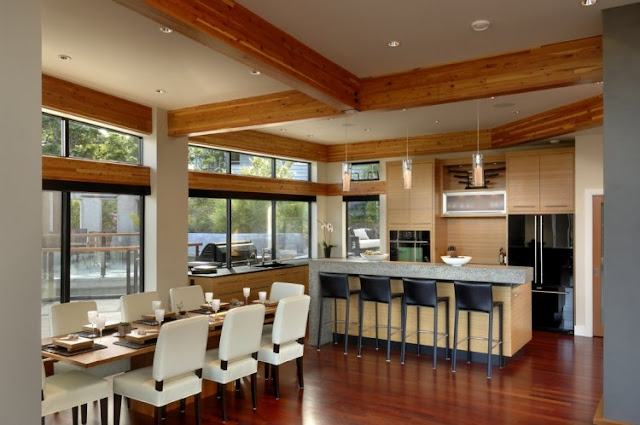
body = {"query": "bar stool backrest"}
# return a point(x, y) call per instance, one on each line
point(474, 296)
point(334, 285)
point(420, 292)
point(375, 288)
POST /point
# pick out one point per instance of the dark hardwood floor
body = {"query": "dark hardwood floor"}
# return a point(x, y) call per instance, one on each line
point(556, 379)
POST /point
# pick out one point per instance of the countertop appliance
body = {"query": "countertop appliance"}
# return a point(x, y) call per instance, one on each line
point(545, 242)
point(410, 245)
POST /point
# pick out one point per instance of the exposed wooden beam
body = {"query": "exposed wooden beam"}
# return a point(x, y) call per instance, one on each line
point(86, 171)
point(566, 119)
point(233, 30)
point(70, 98)
point(247, 113)
point(551, 66)
point(358, 188)
point(270, 144)
point(227, 182)
point(463, 141)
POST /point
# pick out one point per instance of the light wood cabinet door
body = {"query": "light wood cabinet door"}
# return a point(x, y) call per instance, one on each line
point(556, 183)
point(398, 214)
point(421, 196)
point(523, 184)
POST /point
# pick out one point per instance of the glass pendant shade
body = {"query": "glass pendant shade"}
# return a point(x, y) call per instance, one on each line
point(477, 170)
point(346, 177)
point(407, 173)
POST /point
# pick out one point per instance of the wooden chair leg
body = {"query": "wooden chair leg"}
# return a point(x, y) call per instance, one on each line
point(266, 371)
point(196, 407)
point(74, 413)
point(163, 412)
point(254, 395)
point(157, 415)
point(83, 413)
point(117, 400)
point(183, 405)
point(238, 385)
point(223, 399)
point(104, 411)
point(300, 372)
point(276, 381)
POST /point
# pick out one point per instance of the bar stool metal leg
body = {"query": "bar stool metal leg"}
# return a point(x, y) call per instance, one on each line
point(335, 322)
point(404, 332)
point(490, 348)
point(389, 331)
point(361, 308)
point(468, 337)
point(375, 306)
point(435, 336)
point(346, 324)
point(501, 360)
point(320, 322)
point(446, 321)
point(418, 328)
point(455, 340)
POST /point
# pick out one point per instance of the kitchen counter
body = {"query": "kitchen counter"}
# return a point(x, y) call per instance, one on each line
point(223, 271)
point(511, 285)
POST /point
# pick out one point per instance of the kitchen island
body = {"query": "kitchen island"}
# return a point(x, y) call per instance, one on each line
point(511, 285)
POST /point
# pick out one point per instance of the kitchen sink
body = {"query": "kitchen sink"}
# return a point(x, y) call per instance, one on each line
point(268, 265)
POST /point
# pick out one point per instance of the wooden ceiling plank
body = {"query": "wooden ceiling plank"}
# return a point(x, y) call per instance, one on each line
point(69, 98)
point(247, 113)
point(551, 66)
point(235, 31)
point(566, 119)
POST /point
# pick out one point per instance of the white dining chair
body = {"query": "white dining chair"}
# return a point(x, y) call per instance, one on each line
point(286, 341)
point(280, 290)
point(176, 372)
point(133, 306)
point(191, 297)
point(236, 356)
point(71, 389)
point(66, 318)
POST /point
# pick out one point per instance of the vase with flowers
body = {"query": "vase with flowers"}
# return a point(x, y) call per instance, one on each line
point(327, 230)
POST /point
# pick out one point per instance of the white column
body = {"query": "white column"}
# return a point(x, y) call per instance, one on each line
point(20, 211)
point(165, 242)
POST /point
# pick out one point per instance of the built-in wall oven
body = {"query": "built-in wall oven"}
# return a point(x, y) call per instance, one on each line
point(410, 245)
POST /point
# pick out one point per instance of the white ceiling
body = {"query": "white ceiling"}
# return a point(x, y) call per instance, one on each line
point(122, 53)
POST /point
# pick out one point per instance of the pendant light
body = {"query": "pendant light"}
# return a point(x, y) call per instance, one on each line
point(477, 166)
point(407, 167)
point(346, 167)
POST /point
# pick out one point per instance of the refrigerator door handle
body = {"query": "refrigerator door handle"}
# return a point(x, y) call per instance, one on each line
point(541, 258)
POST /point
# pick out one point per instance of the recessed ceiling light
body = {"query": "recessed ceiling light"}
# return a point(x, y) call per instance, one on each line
point(393, 43)
point(516, 112)
point(554, 141)
point(480, 25)
point(64, 57)
point(161, 91)
point(436, 121)
point(598, 82)
point(166, 30)
point(255, 72)
point(309, 136)
point(589, 2)
point(283, 129)
point(367, 129)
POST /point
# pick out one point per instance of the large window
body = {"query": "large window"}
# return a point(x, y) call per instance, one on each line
point(365, 171)
point(363, 224)
point(74, 139)
point(207, 229)
point(292, 229)
point(220, 161)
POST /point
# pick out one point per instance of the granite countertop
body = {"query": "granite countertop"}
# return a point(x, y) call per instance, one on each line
point(509, 275)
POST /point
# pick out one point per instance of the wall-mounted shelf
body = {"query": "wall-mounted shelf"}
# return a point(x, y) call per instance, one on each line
point(474, 203)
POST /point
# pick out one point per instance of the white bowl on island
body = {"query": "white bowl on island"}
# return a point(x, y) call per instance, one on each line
point(456, 261)
point(374, 257)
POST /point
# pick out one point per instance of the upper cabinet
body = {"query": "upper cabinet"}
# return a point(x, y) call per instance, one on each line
point(540, 181)
point(410, 209)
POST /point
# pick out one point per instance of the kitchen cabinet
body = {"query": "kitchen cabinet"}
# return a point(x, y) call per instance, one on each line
point(410, 209)
point(540, 181)
point(227, 287)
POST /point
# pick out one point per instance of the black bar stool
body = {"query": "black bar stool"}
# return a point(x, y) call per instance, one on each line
point(477, 297)
point(378, 290)
point(336, 286)
point(423, 293)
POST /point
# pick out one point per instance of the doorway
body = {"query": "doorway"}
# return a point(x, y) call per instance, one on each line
point(598, 263)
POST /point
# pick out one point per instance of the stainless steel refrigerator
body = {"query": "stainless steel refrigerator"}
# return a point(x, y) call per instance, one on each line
point(545, 242)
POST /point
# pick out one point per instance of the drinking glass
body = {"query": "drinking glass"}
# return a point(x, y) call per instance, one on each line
point(159, 312)
point(262, 295)
point(246, 292)
point(155, 305)
point(208, 296)
point(215, 305)
point(101, 322)
point(92, 315)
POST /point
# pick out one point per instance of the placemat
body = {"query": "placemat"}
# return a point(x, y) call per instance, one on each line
point(152, 322)
point(201, 311)
point(134, 345)
point(63, 352)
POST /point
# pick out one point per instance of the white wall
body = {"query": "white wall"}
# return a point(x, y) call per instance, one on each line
point(588, 182)
point(166, 209)
point(21, 210)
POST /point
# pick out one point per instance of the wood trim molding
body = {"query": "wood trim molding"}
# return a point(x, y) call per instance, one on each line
point(358, 188)
point(227, 182)
point(551, 66)
point(265, 143)
point(247, 113)
point(83, 170)
point(566, 119)
point(74, 99)
point(599, 419)
point(420, 145)
point(233, 30)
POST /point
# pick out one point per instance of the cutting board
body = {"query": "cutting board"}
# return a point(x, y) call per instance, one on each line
point(167, 315)
point(141, 339)
point(73, 344)
point(267, 303)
